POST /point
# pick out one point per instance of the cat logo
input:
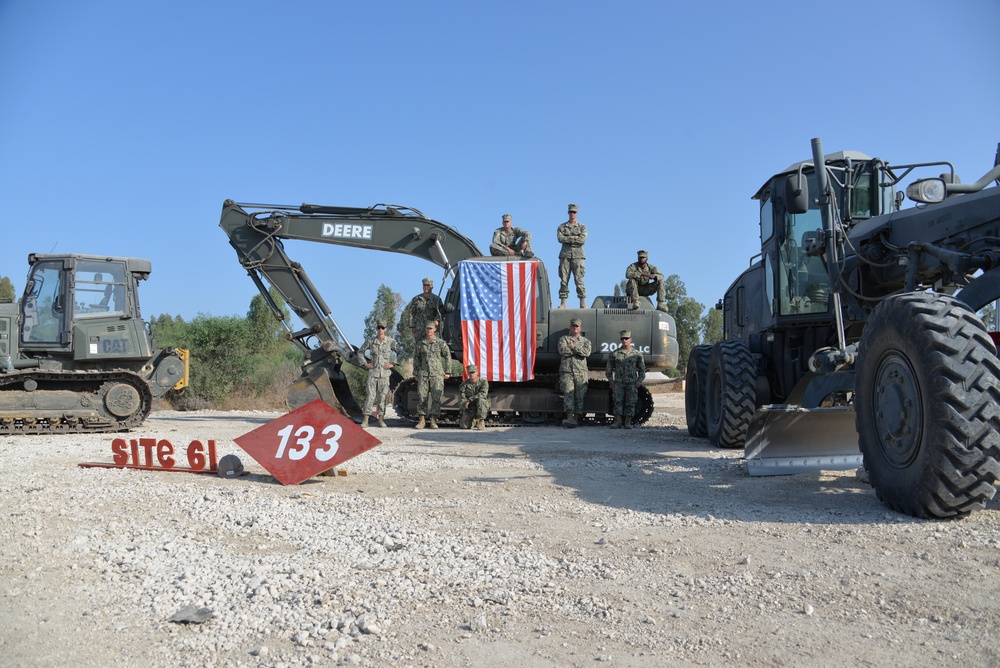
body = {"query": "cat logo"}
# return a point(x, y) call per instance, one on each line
point(114, 346)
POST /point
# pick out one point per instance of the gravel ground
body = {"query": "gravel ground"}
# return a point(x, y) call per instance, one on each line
point(516, 546)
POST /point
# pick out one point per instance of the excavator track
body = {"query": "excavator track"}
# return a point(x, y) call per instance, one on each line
point(36, 401)
point(506, 399)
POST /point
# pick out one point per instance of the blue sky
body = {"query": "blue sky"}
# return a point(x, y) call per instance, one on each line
point(124, 125)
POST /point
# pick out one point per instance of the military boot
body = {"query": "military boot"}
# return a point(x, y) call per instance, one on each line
point(627, 422)
point(583, 302)
point(570, 420)
point(617, 424)
point(562, 302)
point(661, 307)
point(480, 424)
point(421, 423)
point(633, 306)
point(434, 422)
point(364, 423)
point(381, 422)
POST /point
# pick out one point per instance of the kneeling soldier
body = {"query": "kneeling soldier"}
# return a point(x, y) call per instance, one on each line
point(626, 370)
point(474, 394)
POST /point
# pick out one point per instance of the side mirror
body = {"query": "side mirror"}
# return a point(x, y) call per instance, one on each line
point(796, 193)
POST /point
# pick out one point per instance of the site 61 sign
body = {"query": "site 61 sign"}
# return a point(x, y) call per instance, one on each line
point(306, 442)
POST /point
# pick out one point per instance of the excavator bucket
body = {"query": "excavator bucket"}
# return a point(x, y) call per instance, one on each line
point(785, 439)
point(315, 383)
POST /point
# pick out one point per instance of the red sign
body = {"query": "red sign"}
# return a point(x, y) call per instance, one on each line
point(150, 454)
point(306, 442)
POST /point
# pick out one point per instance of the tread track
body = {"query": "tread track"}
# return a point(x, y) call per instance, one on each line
point(643, 408)
point(94, 384)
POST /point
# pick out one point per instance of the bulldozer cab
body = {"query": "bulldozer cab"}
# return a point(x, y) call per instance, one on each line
point(69, 298)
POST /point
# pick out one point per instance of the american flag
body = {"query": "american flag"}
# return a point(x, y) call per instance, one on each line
point(498, 318)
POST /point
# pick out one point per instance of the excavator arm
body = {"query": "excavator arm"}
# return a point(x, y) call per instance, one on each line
point(257, 232)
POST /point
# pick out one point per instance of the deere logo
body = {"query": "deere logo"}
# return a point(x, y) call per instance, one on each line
point(347, 231)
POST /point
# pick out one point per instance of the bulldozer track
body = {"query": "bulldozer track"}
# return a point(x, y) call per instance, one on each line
point(21, 414)
point(511, 418)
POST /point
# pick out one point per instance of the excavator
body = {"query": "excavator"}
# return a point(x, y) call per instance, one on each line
point(853, 337)
point(75, 354)
point(258, 233)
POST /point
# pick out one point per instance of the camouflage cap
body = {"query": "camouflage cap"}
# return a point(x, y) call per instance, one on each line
point(574, 208)
point(472, 368)
point(506, 217)
point(428, 281)
point(626, 334)
point(576, 321)
point(381, 323)
point(643, 254)
point(430, 325)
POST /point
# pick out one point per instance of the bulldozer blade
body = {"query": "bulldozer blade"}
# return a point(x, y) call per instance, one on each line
point(785, 439)
point(316, 384)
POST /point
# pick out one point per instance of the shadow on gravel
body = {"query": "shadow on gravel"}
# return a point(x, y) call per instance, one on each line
point(664, 471)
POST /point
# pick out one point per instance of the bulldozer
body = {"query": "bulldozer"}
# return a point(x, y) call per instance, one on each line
point(853, 338)
point(258, 232)
point(75, 354)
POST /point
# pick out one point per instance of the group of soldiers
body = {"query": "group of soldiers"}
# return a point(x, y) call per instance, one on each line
point(625, 370)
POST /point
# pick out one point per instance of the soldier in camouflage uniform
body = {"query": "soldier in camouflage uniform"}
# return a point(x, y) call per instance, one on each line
point(644, 279)
point(510, 240)
point(431, 367)
point(626, 370)
point(384, 355)
point(572, 260)
point(574, 350)
point(424, 307)
point(475, 400)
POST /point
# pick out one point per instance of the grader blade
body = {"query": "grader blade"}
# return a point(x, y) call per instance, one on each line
point(784, 439)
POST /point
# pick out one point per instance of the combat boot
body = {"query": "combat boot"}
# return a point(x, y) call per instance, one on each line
point(480, 424)
point(627, 422)
point(364, 423)
point(617, 424)
point(562, 302)
point(420, 423)
point(570, 420)
point(381, 422)
point(434, 422)
point(633, 306)
point(465, 423)
point(583, 302)
point(661, 307)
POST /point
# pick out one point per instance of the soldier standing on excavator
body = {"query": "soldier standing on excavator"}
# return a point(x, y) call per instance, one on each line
point(644, 279)
point(424, 307)
point(574, 350)
point(431, 367)
point(572, 259)
point(626, 369)
point(510, 240)
point(384, 355)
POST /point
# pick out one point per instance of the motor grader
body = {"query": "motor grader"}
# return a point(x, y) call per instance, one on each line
point(853, 337)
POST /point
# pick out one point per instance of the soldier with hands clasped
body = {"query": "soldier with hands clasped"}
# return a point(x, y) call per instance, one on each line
point(626, 369)
point(572, 259)
point(574, 349)
point(644, 279)
point(384, 354)
point(431, 367)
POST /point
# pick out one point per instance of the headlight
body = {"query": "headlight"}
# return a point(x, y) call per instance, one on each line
point(928, 191)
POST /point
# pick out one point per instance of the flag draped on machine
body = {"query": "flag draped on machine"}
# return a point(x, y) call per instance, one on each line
point(498, 318)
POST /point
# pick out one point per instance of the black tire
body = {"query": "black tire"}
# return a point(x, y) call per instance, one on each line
point(731, 394)
point(926, 396)
point(695, 382)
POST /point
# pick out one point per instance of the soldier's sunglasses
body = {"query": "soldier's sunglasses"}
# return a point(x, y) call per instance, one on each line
point(381, 327)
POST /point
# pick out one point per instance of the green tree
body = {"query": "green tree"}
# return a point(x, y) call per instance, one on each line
point(266, 331)
point(6, 289)
point(711, 326)
point(222, 357)
point(618, 290)
point(687, 317)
